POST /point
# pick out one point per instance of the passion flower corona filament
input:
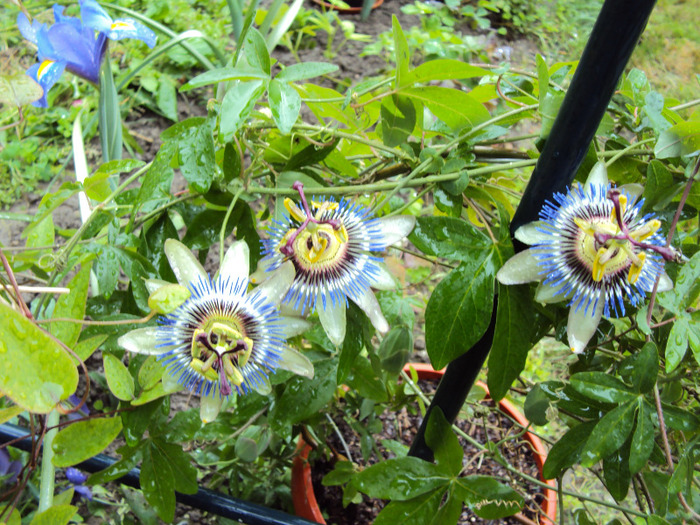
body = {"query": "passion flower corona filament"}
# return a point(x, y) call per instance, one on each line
point(594, 248)
point(330, 245)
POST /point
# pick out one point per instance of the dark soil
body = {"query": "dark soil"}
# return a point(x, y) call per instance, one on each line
point(487, 425)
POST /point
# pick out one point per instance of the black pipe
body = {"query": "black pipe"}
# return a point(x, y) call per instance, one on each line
point(613, 38)
point(205, 500)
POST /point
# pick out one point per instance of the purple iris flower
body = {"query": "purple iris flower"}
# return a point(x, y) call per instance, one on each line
point(8, 467)
point(76, 479)
point(71, 43)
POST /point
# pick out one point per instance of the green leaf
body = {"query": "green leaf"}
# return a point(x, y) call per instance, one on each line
point(36, 373)
point(679, 140)
point(183, 472)
point(136, 421)
point(609, 434)
point(19, 90)
point(223, 74)
point(447, 203)
point(109, 114)
point(682, 477)
point(617, 473)
point(443, 442)
point(285, 104)
point(365, 381)
point(602, 387)
point(158, 180)
point(512, 340)
point(119, 380)
point(196, 156)
point(303, 397)
point(84, 439)
point(402, 54)
point(398, 119)
point(56, 515)
point(455, 108)
point(400, 479)
point(442, 69)
point(451, 508)
point(97, 185)
point(642, 440)
point(488, 498)
point(448, 237)
point(536, 405)
point(72, 306)
point(686, 289)
point(659, 188)
point(420, 509)
point(305, 70)
point(130, 458)
point(459, 310)
point(166, 99)
point(679, 418)
point(641, 369)
point(238, 102)
point(8, 413)
point(567, 451)
point(256, 52)
point(542, 76)
point(84, 349)
point(203, 230)
point(158, 483)
point(168, 298)
point(677, 344)
point(395, 349)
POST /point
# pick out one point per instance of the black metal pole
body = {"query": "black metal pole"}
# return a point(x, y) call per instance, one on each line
point(613, 38)
point(206, 500)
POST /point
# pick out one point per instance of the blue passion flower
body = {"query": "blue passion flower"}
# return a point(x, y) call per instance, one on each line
point(71, 43)
point(330, 245)
point(217, 338)
point(594, 249)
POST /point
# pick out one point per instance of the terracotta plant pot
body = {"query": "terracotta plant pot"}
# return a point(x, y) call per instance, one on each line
point(304, 499)
point(327, 5)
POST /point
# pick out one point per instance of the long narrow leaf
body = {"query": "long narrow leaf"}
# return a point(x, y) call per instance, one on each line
point(109, 120)
point(281, 28)
point(80, 165)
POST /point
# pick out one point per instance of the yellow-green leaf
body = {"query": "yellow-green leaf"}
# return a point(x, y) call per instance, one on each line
point(36, 373)
point(119, 380)
point(167, 298)
point(8, 413)
point(72, 306)
point(56, 515)
point(84, 439)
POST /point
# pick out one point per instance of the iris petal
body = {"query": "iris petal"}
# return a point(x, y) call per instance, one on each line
point(183, 262)
point(46, 74)
point(28, 30)
point(333, 320)
point(94, 16)
point(581, 326)
point(128, 28)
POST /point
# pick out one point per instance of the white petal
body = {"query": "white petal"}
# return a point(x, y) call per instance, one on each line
point(333, 320)
point(170, 382)
point(142, 341)
point(368, 303)
point(546, 293)
point(263, 387)
point(296, 362)
point(395, 228)
point(292, 326)
point(209, 408)
point(522, 268)
point(261, 273)
point(383, 280)
point(153, 285)
point(183, 262)
point(581, 326)
point(530, 233)
point(276, 287)
point(632, 189)
point(598, 175)
point(665, 283)
point(236, 263)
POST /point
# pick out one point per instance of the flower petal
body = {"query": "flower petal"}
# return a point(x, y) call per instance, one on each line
point(531, 233)
point(296, 362)
point(598, 175)
point(263, 386)
point(292, 326)
point(46, 74)
point(395, 228)
point(142, 341)
point(665, 283)
point(185, 265)
point(209, 408)
point(581, 326)
point(170, 382)
point(546, 293)
point(632, 189)
point(261, 273)
point(368, 303)
point(235, 265)
point(129, 28)
point(522, 268)
point(28, 30)
point(276, 287)
point(333, 320)
point(382, 280)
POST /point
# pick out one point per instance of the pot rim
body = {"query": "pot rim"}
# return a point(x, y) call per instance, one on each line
point(306, 506)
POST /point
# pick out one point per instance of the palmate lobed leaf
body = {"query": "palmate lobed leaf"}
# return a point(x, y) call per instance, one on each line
point(36, 372)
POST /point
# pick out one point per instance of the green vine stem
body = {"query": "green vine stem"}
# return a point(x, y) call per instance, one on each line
point(48, 471)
